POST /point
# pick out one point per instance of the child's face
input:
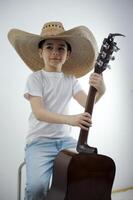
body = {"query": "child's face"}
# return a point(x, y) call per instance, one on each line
point(54, 53)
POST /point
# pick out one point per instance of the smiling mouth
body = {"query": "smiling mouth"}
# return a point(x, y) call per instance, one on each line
point(55, 59)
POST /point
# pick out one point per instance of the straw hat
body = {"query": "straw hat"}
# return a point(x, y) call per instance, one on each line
point(81, 40)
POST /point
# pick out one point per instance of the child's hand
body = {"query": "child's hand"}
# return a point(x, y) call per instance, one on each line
point(82, 120)
point(96, 80)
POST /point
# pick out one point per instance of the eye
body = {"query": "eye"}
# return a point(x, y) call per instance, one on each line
point(49, 47)
point(61, 49)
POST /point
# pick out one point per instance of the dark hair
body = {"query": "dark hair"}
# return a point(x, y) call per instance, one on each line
point(40, 45)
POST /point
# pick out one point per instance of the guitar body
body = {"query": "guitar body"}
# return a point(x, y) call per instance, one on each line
point(82, 176)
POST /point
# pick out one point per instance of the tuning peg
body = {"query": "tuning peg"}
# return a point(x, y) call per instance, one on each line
point(100, 63)
point(106, 45)
point(108, 66)
point(115, 48)
point(112, 58)
point(103, 54)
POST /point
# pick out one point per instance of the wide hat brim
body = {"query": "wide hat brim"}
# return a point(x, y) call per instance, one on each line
point(82, 58)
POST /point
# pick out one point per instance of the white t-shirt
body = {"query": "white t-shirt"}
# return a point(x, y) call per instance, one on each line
point(56, 89)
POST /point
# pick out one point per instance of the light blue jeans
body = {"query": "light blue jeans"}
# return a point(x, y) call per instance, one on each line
point(39, 155)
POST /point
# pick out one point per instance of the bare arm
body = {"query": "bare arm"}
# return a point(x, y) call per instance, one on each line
point(81, 98)
point(82, 120)
point(42, 114)
point(96, 80)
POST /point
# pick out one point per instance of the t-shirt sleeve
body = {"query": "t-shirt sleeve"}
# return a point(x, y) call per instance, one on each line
point(33, 86)
point(76, 86)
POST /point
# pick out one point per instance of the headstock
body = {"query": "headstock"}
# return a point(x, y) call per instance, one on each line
point(105, 55)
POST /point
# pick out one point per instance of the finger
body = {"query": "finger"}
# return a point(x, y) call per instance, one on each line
point(93, 80)
point(95, 83)
point(86, 114)
point(96, 78)
point(87, 124)
point(86, 119)
point(96, 75)
point(84, 127)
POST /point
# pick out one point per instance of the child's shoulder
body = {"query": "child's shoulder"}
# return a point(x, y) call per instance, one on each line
point(69, 76)
point(35, 74)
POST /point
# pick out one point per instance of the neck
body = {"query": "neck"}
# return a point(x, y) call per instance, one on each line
point(51, 69)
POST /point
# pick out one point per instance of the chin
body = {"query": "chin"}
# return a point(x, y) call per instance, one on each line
point(55, 65)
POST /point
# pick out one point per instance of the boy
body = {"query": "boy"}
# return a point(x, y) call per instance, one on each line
point(56, 57)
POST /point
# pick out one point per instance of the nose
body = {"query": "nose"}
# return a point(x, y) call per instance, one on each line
point(55, 51)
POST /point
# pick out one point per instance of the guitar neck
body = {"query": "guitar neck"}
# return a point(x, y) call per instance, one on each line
point(83, 136)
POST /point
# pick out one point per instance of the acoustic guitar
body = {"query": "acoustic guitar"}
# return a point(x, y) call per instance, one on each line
point(85, 174)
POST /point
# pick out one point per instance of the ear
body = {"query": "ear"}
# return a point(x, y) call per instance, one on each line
point(68, 55)
point(40, 53)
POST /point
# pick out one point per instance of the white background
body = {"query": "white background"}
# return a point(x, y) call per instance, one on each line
point(112, 117)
